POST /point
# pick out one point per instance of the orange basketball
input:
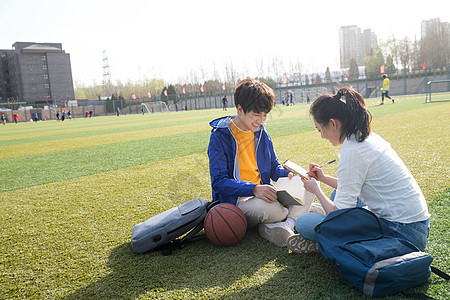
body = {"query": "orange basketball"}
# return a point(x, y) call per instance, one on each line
point(225, 224)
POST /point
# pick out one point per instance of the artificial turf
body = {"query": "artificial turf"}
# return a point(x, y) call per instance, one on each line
point(67, 213)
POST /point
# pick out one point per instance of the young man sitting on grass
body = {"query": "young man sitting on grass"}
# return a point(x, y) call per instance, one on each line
point(242, 161)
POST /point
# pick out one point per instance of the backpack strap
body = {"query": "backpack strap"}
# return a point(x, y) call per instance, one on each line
point(417, 296)
point(191, 236)
point(422, 295)
point(440, 273)
point(168, 248)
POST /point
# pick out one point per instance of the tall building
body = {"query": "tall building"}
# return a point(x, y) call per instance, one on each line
point(369, 42)
point(6, 92)
point(435, 37)
point(430, 26)
point(36, 73)
point(435, 27)
point(354, 44)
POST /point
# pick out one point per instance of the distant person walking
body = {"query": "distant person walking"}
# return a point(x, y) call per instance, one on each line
point(36, 117)
point(224, 102)
point(57, 116)
point(385, 89)
point(63, 116)
point(16, 118)
point(3, 119)
point(90, 114)
point(69, 115)
point(118, 111)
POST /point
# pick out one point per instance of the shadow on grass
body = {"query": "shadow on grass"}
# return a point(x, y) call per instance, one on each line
point(199, 266)
point(202, 270)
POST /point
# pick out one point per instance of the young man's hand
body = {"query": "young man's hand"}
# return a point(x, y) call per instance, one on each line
point(265, 192)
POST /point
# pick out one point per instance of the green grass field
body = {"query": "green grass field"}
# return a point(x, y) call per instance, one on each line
point(71, 192)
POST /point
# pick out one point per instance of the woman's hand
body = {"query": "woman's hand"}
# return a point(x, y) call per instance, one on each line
point(312, 186)
point(316, 172)
point(265, 192)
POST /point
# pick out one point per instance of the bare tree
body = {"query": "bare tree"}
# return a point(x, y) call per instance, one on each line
point(260, 68)
point(231, 74)
point(404, 53)
point(295, 70)
point(277, 68)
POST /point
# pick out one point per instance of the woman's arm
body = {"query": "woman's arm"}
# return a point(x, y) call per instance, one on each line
point(312, 186)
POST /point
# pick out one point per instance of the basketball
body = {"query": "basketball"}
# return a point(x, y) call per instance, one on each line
point(225, 224)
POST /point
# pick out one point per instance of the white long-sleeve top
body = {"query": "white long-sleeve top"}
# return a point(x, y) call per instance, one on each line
point(373, 171)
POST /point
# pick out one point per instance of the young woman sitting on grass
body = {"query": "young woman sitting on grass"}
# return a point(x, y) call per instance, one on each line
point(370, 173)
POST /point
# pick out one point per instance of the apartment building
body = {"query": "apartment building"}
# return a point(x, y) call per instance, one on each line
point(355, 44)
point(35, 73)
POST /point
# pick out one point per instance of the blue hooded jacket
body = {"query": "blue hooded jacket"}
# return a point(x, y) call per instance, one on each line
point(226, 183)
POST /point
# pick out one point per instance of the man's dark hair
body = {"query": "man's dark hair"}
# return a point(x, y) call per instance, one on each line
point(254, 96)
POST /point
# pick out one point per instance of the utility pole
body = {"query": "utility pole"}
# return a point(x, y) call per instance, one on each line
point(106, 75)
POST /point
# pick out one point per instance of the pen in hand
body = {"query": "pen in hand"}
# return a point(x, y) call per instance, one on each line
point(330, 162)
point(312, 173)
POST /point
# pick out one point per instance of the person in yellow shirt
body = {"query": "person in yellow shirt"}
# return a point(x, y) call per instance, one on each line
point(242, 163)
point(385, 90)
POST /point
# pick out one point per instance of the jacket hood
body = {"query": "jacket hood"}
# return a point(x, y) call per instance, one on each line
point(222, 122)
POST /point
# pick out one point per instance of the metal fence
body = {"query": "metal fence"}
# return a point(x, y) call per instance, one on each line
point(402, 83)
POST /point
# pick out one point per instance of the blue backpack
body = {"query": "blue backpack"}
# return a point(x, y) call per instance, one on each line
point(365, 252)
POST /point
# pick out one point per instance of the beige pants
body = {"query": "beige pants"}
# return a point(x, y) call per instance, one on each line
point(259, 211)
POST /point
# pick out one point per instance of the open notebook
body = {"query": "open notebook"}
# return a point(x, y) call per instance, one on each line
point(296, 169)
point(290, 192)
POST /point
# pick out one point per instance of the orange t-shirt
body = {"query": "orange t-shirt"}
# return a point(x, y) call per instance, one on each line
point(246, 154)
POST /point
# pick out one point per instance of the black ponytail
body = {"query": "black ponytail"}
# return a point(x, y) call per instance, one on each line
point(349, 108)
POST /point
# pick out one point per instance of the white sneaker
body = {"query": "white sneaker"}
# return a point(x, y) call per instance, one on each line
point(317, 208)
point(276, 233)
point(298, 244)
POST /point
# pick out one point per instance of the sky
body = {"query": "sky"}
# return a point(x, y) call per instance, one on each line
point(173, 39)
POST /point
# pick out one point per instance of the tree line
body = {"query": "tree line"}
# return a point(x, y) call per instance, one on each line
point(394, 55)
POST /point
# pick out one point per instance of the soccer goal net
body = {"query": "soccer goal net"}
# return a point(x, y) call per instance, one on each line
point(154, 107)
point(439, 89)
